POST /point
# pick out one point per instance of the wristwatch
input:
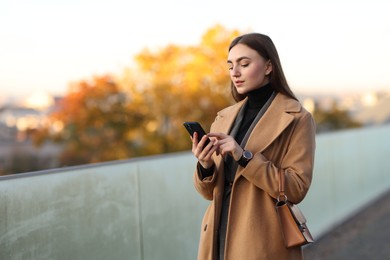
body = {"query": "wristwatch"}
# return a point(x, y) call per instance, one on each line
point(245, 158)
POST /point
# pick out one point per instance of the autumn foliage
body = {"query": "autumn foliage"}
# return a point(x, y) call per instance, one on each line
point(141, 112)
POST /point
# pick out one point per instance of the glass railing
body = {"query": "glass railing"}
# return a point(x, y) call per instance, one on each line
point(147, 208)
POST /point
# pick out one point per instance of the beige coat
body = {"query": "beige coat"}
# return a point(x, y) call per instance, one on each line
point(283, 139)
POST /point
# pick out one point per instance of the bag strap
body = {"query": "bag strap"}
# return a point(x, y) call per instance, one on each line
point(282, 196)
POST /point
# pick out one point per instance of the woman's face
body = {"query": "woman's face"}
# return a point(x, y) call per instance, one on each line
point(248, 70)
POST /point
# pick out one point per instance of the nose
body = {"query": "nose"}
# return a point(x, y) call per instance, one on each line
point(235, 72)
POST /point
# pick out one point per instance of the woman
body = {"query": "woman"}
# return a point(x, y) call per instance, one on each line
point(265, 132)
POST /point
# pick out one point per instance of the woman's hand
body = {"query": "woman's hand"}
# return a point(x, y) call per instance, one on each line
point(203, 154)
point(226, 145)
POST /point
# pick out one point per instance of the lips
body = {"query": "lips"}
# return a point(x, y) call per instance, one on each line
point(238, 82)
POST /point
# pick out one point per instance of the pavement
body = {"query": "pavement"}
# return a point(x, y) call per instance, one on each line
point(365, 236)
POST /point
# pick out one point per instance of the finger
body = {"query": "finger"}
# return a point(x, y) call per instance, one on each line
point(226, 144)
point(195, 141)
point(200, 148)
point(209, 145)
point(225, 148)
point(195, 144)
point(208, 151)
point(217, 135)
point(202, 142)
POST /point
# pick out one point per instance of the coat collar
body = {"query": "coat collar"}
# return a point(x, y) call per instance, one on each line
point(274, 121)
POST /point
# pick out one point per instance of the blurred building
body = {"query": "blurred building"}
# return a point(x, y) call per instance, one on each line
point(369, 108)
point(17, 120)
point(376, 109)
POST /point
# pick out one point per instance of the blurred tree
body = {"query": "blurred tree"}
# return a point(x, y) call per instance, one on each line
point(97, 119)
point(142, 111)
point(184, 84)
point(333, 119)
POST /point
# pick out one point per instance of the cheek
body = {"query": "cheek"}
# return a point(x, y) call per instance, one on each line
point(256, 74)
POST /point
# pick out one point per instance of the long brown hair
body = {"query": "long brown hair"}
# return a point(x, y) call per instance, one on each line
point(264, 46)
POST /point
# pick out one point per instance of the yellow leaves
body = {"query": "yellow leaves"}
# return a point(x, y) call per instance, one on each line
point(141, 111)
point(185, 83)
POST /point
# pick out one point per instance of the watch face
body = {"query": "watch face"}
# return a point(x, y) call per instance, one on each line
point(247, 155)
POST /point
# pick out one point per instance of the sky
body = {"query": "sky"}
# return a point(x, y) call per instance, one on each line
point(332, 46)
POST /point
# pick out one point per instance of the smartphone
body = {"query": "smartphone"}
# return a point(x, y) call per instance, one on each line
point(193, 127)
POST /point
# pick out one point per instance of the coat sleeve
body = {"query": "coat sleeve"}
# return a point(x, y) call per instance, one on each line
point(205, 186)
point(297, 163)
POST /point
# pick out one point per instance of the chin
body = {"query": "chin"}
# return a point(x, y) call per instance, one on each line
point(242, 92)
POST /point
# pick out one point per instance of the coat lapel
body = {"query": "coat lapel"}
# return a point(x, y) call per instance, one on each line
point(273, 122)
point(269, 127)
point(226, 117)
point(224, 122)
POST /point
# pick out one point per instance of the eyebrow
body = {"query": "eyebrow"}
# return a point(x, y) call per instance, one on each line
point(239, 59)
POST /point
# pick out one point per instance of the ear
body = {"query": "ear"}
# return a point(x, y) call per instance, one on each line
point(268, 68)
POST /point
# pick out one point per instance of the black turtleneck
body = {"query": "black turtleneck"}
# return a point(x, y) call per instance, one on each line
point(256, 100)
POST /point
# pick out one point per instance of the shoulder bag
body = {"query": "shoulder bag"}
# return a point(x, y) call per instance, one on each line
point(292, 220)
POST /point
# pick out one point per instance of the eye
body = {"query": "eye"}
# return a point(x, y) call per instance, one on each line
point(244, 65)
